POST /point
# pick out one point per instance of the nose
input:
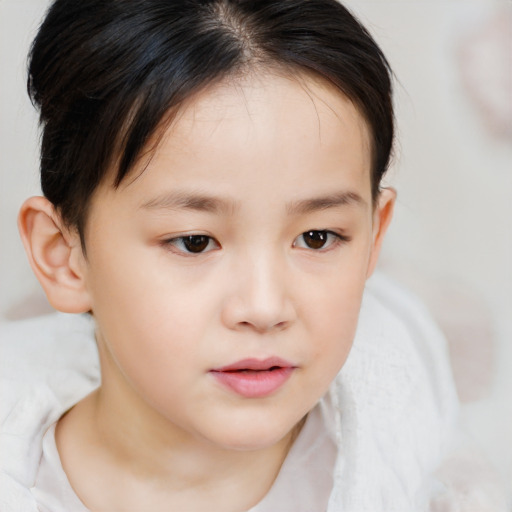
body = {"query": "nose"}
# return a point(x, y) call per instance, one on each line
point(258, 296)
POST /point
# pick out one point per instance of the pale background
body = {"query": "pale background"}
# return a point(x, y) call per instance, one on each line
point(451, 241)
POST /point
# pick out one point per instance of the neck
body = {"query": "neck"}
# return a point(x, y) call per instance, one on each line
point(115, 432)
point(160, 450)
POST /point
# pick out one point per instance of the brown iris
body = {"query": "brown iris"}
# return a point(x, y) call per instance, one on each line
point(196, 243)
point(315, 239)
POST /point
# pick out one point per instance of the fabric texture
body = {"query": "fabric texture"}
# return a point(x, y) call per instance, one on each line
point(303, 484)
point(52, 490)
point(392, 410)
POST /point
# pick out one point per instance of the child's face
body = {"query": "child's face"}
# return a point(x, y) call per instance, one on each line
point(270, 180)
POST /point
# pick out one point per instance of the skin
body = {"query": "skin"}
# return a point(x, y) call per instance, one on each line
point(256, 155)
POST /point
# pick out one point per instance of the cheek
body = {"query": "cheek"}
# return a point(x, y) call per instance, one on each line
point(142, 285)
point(147, 316)
point(336, 327)
point(332, 311)
point(333, 299)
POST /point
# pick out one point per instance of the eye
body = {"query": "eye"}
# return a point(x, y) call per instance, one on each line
point(193, 244)
point(319, 239)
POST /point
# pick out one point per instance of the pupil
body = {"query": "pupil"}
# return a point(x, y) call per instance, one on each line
point(315, 239)
point(196, 243)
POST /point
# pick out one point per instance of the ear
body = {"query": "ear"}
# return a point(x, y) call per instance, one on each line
point(381, 219)
point(55, 255)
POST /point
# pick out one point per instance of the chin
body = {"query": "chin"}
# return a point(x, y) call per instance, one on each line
point(252, 436)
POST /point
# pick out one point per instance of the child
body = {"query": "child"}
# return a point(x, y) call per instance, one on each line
point(211, 173)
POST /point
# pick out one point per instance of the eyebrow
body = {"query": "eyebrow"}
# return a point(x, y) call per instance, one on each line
point(335, 200)
point(197, 202)
point(217, 205)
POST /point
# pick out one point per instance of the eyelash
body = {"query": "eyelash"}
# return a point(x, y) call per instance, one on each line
point(337, 239)
point(207, 241)
point(173, 244)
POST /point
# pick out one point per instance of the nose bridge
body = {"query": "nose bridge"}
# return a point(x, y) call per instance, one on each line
point(265, 277)
point(260, 294)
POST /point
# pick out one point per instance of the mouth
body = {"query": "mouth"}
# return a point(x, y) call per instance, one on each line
point(254, 378)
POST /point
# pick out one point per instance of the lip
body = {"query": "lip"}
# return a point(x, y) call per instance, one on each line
point(254, 378)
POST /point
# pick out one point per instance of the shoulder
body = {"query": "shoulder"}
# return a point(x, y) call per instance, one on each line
point(398, 403)
point(403, 446)
point(41, 339)
point(48, 364)
point(409, 329)
point(55, 351)
point(53, 355)
point(406, 351)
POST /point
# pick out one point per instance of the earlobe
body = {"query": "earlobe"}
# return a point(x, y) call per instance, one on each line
point(381, 220)
point(55, 256)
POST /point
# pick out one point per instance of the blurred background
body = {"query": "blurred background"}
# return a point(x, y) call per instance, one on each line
point(451, 240)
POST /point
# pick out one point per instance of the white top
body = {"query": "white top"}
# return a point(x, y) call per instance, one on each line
point(394, 413)
point(52, 490)
point(304, 482)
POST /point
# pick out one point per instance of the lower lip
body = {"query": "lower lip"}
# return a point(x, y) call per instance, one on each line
point(254, 384)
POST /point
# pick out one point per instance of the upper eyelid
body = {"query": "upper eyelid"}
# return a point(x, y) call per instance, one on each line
point(185, 235)
point(337, 234)
point(168, 242)
point(180, 236)
point(340, 238)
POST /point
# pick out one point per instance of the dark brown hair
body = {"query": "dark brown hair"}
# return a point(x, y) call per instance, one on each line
point(105, 73)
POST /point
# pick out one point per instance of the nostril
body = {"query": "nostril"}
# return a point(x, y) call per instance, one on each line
point(261, 327)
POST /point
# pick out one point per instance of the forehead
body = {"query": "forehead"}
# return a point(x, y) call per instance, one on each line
point(261, 127)
point(259, 109)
